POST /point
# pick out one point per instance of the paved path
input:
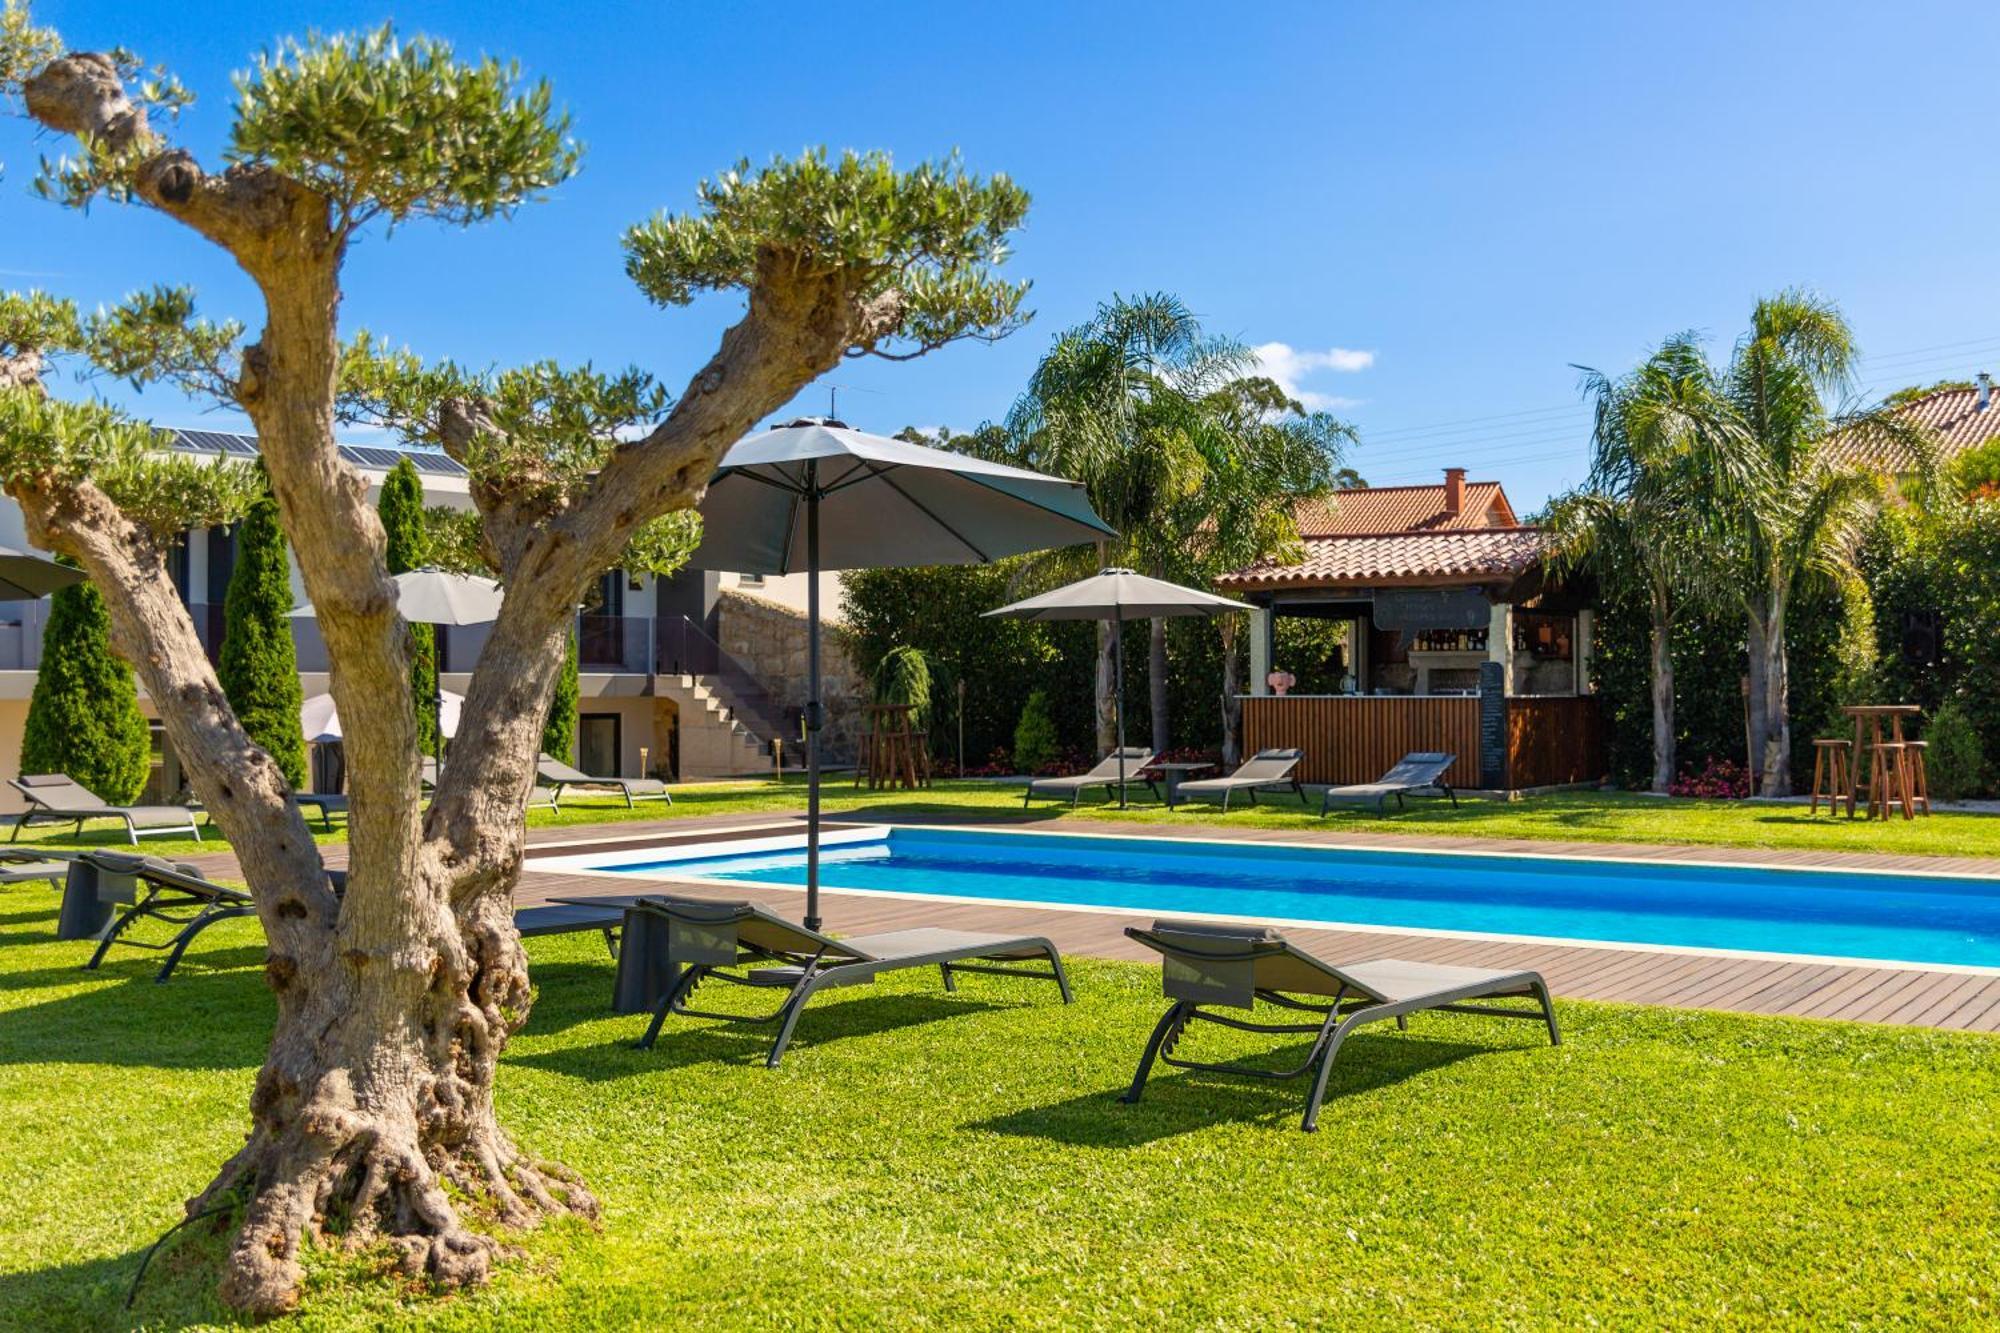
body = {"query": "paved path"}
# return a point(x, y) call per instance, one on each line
point(1902, 994)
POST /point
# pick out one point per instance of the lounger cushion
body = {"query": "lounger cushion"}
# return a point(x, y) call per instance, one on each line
point(1243, 931)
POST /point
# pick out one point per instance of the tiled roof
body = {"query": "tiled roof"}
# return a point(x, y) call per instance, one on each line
point(1953, 416)
point(1379, 509)
point(1454, 556)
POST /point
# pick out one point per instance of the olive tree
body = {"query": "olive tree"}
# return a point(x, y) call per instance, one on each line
point(373, 1113)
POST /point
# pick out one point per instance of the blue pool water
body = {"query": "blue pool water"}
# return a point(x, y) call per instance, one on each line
point(1905, 918)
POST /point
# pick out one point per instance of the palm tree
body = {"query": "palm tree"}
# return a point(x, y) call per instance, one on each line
point(1663, 447)
point(1805, 513)
point(1182, 449)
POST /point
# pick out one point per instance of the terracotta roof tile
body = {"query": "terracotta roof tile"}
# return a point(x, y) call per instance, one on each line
point(1953, 416)
point(1453, 556)
point(1380, 509)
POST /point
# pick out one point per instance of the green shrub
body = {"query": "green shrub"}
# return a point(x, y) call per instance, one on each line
point(84, 718)
point(408, 548)
point(1952, 758)
point(1035, 743)
point(903, 676)
point(258, 668)
point(559, 732)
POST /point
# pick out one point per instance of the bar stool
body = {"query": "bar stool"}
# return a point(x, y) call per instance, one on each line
point(1889, 778)
point(1920, 780)
point(1832, 760)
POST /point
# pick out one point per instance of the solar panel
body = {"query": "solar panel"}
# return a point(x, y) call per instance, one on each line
point(376, 458)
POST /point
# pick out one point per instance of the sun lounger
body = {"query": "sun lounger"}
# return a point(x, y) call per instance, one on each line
point(1415, 774)
point(1105, 775)
point(150, 887)
point(1208, 964)
point(539, 796)
point(1263, 771)
point(561, 776)
point(59, 798)
point(706, 938)
point(21, 867)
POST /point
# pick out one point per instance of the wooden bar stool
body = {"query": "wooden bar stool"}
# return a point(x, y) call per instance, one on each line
point(1920, 779)
point(1889, 779)
point(1831, 761)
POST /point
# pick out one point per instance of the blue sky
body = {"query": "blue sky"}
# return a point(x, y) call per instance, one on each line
point(1436, 209)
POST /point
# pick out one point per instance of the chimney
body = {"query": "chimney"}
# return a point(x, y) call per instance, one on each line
point(1985, 390)
point(1454, 491)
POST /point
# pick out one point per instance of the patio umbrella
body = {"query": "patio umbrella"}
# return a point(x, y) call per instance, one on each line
point(1118, 595)
point(434, 597)
point(24, 577)
point(814, 495)
point(321, 721)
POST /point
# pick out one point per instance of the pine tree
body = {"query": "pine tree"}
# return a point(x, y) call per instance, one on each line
point(402, 510)
point(559, 732)
point(84, 717)
point(259, 669)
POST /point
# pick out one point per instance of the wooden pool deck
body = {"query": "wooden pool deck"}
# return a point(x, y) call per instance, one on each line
point(1916, 995)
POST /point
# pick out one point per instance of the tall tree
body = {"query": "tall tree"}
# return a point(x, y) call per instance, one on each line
point(1804, 516)
point(373, 1115)
point(1665, 460)
point(258, 666)
point(406, 547)
point(83, 717)
point(1194, 459)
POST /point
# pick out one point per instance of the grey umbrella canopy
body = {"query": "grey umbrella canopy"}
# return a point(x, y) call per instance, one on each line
point(1119, 595)
point(816, 495)
point(435, 597)
point(24, 577)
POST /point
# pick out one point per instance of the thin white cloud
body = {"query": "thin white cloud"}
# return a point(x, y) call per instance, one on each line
point(1289, 366)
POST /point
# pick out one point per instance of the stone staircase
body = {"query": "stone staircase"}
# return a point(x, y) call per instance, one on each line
point(717, 739)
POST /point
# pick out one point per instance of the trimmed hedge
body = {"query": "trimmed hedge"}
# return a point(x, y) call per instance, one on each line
point(258, 667)
point(84, 718)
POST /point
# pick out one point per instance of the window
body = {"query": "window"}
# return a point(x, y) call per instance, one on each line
point(1546, 637)
point(750, 580)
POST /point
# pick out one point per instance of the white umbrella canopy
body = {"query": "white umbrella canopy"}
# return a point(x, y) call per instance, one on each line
point(434, 597)
point(815, 495)
point(25, 576)
point(321, 721)
point(1119, 595)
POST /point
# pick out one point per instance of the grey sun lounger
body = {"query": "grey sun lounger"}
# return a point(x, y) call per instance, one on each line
point(539, 796)
point(1206, 964)
point(24, 867)
point(59, 798)
point(707, 937)
point(151, 887)
point(1105, 775)
point(1265, 770)
point(1419, 773)
point(561, 776)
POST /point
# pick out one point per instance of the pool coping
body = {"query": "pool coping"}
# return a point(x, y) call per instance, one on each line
point(847, 832)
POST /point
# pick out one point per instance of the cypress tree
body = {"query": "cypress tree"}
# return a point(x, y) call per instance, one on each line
point(402, 510)
point(84, 718)
point(559, 732)
point(259, 668)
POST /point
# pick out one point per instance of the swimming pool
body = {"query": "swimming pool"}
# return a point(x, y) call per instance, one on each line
point(1837, 914)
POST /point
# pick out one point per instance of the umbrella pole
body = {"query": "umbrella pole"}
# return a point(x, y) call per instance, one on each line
point(812, 697)
point(1118, 697)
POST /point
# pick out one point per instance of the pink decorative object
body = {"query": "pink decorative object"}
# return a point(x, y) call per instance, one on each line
point(1280, 681)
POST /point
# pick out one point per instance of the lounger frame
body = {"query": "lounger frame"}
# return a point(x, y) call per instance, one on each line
point(711, 944)
point(1228, 786)
point(41, 809)
point(1220, 965)
point(1383, 790)
point(170, 894)
point(1077, 784)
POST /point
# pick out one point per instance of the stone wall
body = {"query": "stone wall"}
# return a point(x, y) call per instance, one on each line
point(770, 640)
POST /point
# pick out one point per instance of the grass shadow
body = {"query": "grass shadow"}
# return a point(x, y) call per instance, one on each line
point(201, 1019)
point(90, 1294)
point(1185, 1101)
point(688, 1041)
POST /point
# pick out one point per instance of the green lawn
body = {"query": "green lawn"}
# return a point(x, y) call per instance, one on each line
point(1568, 816)
point(960, 1162)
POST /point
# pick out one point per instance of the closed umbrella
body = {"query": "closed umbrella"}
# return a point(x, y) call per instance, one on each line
point(1119, 595)
point(815, 495)
point(24, 576)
